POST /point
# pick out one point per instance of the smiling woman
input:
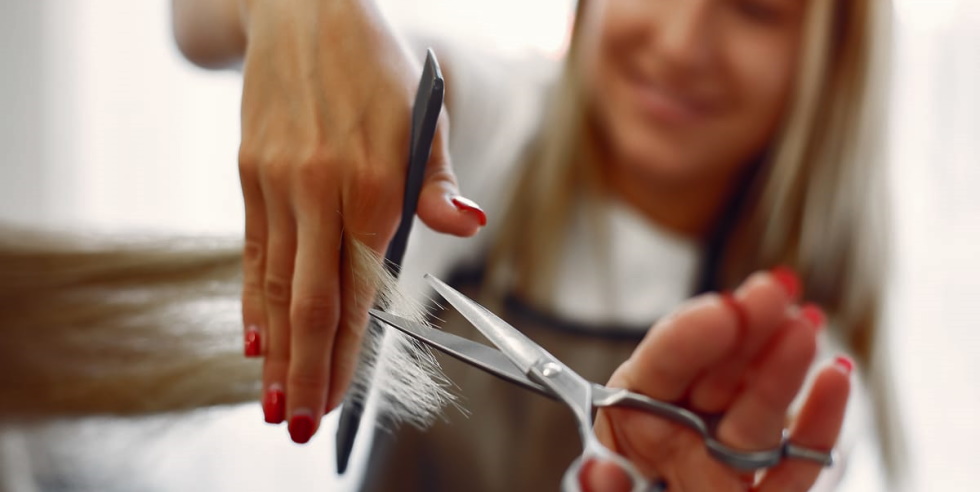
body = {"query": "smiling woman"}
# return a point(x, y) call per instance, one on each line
point(682, 145)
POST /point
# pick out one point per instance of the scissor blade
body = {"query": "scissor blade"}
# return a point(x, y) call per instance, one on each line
point(425, 118)
point(476, 354)
point(520, 349)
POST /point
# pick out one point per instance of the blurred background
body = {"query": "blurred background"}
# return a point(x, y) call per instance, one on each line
point(104, 126)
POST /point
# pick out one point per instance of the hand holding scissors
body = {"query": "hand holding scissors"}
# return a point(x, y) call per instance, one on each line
point(738, 360)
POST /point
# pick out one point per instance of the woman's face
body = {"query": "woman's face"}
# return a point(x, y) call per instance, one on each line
point(682, 90)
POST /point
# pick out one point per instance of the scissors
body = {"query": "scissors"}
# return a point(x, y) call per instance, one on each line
point(425, 117)
point(521, 361)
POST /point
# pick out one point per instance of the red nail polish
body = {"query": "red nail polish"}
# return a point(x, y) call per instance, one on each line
point(301, 428)
point(814, 315)
point(253, 342)
point(464, 204)
point(845, 363)
point(274, 405)
point(788, 279)
point(740, 315)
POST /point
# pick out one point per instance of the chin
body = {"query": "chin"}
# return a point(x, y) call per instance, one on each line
point(660, 160)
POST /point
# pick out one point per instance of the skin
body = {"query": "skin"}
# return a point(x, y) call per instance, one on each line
point(324, 145)
point(746, 359)
point(682, 95)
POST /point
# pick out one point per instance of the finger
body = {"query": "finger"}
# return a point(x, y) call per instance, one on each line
point(817, 426)
point(314, 316)
point(253, 260)
point(280, 257)
point(361, 269)
point(371, 215)
point(604, 476)
point(679, 348)
point(756, 417)
point(764, 299)
point(441, 206)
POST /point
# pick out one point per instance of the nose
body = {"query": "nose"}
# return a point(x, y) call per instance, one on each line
point(684, 36)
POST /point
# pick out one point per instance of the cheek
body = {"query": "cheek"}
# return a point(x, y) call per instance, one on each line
point(762, 77)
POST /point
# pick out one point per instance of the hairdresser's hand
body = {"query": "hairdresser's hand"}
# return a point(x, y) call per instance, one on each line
point(326, 106)
point(743, 357)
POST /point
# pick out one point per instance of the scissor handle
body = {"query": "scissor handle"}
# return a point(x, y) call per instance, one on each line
point(577, 393)
point(594, 450)
point(742, 460)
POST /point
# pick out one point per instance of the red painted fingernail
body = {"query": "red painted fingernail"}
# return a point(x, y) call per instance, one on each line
point(814, 315)
point(301, 427)
point(274, 404)
point(464, 204)
point(584, 474)
point(788, 279)
point(740, 315)
point(844, 363)
point(253, 342)
point(748, 479)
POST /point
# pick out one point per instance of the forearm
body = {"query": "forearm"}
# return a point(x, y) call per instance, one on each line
point(209, 32)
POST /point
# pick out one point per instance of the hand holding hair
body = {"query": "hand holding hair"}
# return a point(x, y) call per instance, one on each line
point(326, 108)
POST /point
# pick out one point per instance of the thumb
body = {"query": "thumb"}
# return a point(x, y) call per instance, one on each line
point(441, 206)
point(604, 476)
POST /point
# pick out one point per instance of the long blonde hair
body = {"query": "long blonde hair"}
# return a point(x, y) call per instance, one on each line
point(816, 202)
point(96, 325)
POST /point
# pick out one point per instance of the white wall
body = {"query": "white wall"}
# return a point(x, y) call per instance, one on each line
point(935, 313)
point(108, 125)
point(21, 102)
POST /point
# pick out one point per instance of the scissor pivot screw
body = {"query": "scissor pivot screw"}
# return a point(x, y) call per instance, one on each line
point(550, 369)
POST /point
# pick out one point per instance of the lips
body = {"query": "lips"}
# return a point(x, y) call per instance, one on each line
point(662, 104)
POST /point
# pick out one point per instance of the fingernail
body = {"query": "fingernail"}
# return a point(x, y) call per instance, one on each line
point(844, 363)
point(788, 279)
point(274, 404)
point(464, 204)
point(814, 315)
point(301, 426)
point(740, 315)
point(585, 476)
point(253, 342)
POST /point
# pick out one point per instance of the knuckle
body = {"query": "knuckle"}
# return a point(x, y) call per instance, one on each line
point(248, 162)
point(252, 292)
point(275, 366)
point(275, 175)
point(440, 172)
point(253, 256)
point(373, 187)
point(307, 380)
point(316, 164)
point(314, 314)
point(277, 289)
point(317, 170)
